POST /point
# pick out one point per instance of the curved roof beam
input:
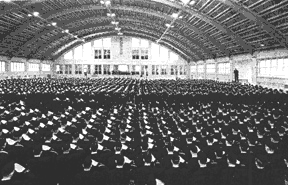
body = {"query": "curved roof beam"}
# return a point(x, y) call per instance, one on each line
point(148, 24)
point(130, 34)
point(263, 23)
point(142, 31)
point(133, 9)
point(246, 46)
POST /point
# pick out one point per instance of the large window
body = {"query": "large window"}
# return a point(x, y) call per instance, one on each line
point(201, 68)
point(68, 69)
point(46, 67)
point(2, 66)
point(210, 68)
point(135, 54)
point(224, 68)
point(106, 69)
point(173, 67)
point(17, 66)
point(98, 69)
point(193, 69)
point(181, 70)
point(273, 68)
point(107, 54)
point(78, 69)
point(33, 67)
point(164, 70)
point(144, 54)
point(157, 70)
point(153, 69)
point(98, 54)
point(58, 69)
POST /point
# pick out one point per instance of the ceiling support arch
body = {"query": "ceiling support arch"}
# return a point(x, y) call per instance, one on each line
point(264, 24)
point(151, 26)
point(246, 46)
point(138, 10)
point(129, 34)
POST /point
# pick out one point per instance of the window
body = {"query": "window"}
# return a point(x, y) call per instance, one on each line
point(78, 69)
point(106, 53)
point(106, 69)
point(2, 66)
point(201, 68)
point(164, 70)
point(87, 50)
point(45, 67)
point(224, 68)
point(107, 42)
point(86, 68)
point(210, 68)
point(176, 70)
point(98, 69)
point(157, 70)
point(68, 69)
point(68, 55)
point(181, 70)
point(144, 54)
point(184, 70)
point(164, 53)
point(153, 69)
point(173, 69)
point(135, 42)
point(78, 52)
point(58, 69)
point(17, 66)
point(98, 54)
point(193, 69)
point(33, 67)
point(135, 54)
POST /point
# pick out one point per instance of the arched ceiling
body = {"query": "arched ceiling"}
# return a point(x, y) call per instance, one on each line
point(208, 29)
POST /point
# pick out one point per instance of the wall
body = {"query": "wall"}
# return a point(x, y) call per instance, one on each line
point(247, 67)
point(8, 73)
point(125, 58)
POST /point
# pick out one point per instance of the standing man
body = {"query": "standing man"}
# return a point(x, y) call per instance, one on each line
point(236, 74)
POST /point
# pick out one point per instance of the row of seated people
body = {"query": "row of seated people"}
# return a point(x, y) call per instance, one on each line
point(113, 131)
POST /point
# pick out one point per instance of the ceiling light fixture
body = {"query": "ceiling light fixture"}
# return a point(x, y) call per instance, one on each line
point(36, 14)
point(175, 15)
point(120, 33)
point(53, 23)
point(262, 45)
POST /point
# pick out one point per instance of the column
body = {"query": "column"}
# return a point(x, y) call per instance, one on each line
point(254, 64)
point(40, 68)
point(73, 69)
point(232, 67)
point(216, 69)
point(188, 70)
point(196, 74)
point(205, 69)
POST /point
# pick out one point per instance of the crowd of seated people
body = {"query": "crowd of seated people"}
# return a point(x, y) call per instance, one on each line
point(128, 131)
